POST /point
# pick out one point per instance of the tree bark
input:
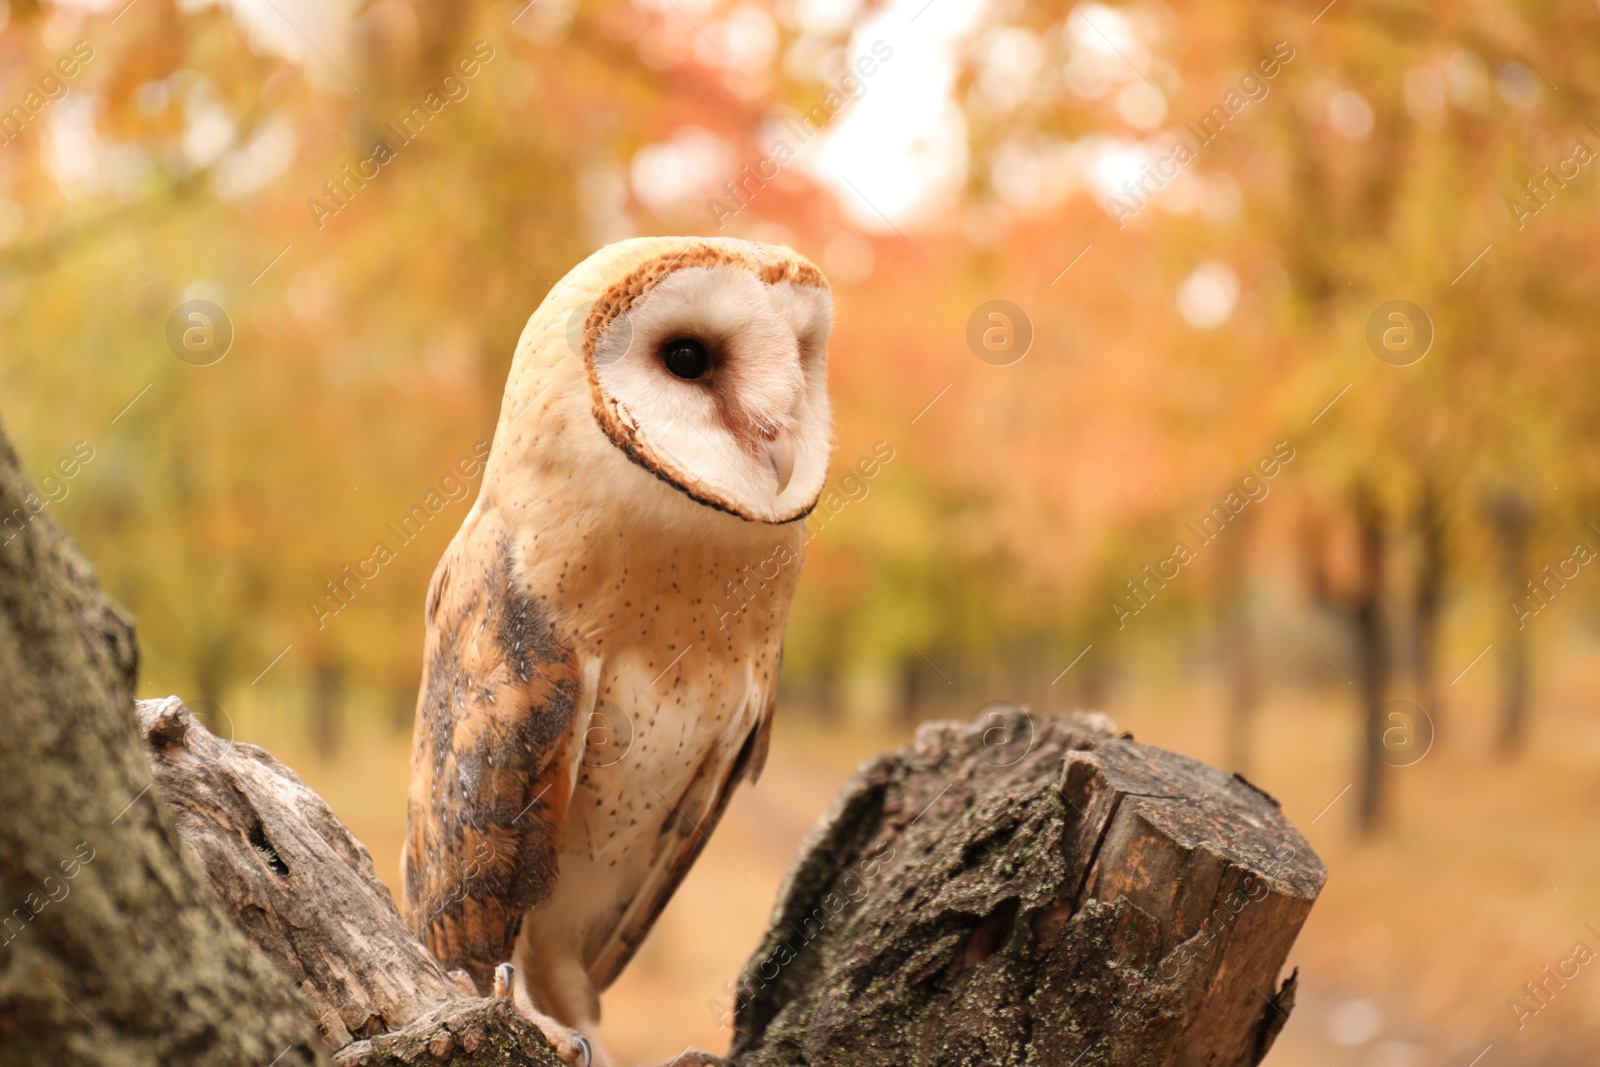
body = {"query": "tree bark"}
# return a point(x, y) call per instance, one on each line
point(1032, 890)
point(296, 881)
point(112, 949)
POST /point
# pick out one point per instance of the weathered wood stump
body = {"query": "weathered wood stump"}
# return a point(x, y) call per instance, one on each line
point(1019, 890)
point(305, 893)
point(1032, 890)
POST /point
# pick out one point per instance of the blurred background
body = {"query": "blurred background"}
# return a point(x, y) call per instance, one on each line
point(1225, 366)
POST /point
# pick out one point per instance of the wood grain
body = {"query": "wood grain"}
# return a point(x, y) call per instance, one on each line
point(295, 879)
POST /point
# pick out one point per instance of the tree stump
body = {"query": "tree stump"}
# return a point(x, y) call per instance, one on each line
point(1032, 890)
point(304, 891)
point(297, 881)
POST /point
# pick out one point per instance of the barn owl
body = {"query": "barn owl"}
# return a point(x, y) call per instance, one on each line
point(604, 632)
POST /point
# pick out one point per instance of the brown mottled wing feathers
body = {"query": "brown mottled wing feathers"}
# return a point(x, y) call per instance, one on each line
point(490, 766)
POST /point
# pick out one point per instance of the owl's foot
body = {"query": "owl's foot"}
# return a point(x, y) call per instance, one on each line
point(571, 1047)
point(505, 980)
point(695, 1058)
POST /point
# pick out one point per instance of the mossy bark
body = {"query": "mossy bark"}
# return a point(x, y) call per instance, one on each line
point(1032, 890)
point(296, 881)
point(113, 951)
point(466, 1032)
point(304, 891)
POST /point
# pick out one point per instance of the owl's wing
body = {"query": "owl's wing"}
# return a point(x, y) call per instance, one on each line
point(492, 755)
point(697, 812)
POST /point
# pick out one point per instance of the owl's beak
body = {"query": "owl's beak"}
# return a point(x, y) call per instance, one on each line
point(778, 454)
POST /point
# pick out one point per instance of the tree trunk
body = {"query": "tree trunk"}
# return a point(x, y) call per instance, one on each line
point(114, 951)
point(1510, 516)
point(294, 878)
point(1238, 651)
point(909, 703)
point(1372, 660)
point(1431, 565)
point(327, 707)
point(1356, 592)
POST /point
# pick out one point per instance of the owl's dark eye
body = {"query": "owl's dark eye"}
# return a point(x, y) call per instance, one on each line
point(686, 358)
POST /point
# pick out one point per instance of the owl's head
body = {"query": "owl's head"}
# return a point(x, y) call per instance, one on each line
point(707, 366)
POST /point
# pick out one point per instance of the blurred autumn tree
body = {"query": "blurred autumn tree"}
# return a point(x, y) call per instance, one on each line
point(1186, 328)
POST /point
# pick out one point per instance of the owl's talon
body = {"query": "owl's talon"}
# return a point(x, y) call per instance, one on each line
point(505, 980)
point(570, 1046)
